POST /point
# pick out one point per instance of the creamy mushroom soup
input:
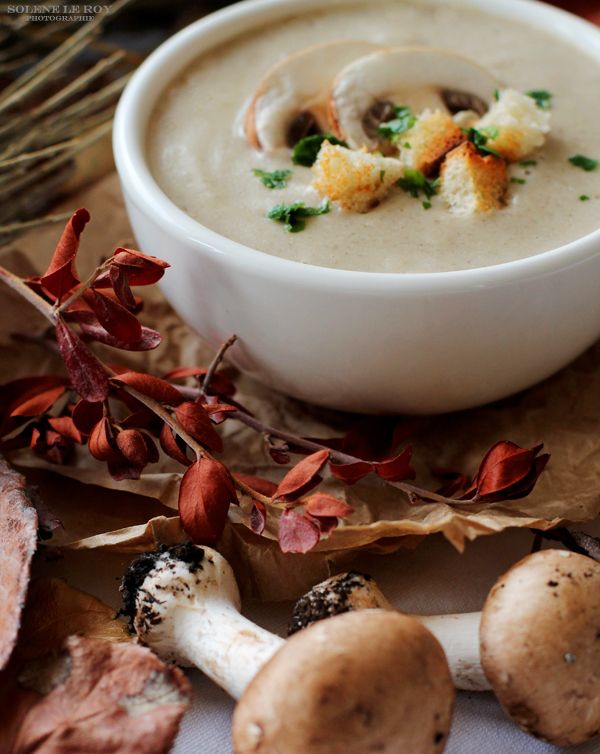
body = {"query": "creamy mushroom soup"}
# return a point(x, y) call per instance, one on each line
point(203, 161)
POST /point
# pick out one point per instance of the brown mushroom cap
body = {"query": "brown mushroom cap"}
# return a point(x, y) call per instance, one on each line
point(540, 645)
point(372, 681)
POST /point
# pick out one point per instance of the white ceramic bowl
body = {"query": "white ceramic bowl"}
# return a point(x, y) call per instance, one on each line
point(374, 342)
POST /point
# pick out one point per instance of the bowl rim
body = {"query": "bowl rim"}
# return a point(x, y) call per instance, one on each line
point(176, 53)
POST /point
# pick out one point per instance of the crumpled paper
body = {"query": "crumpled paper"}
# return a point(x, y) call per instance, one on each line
point(563, 412)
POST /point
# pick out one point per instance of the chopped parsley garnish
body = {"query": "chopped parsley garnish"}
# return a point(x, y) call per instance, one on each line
point(413, 182)
point(426, 205)
point(584, 198)
point(585, 163)
point(481, 137)
point(406, 145)
point(294, 215)
point(306, 150)
point(381, 175)
point(393, 129)
point(497, 94)
point(528, 163)
point(543, 99)
point(277, 179)
point(521, 181)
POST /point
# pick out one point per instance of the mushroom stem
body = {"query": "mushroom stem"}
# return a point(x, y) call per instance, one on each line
point(227, 647)
point(457, 633)
point(185, 603)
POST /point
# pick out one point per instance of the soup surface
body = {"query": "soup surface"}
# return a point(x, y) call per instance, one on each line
point(201, 160)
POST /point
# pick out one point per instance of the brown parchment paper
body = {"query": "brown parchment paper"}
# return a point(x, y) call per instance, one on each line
point(129, 516)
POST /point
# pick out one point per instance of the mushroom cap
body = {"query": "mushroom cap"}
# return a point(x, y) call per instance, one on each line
point(339, 594)
point(540, 645)
point(365, 681)
point(296, 86)
point(417, 77)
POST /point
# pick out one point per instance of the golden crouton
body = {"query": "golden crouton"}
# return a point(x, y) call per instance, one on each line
point(471, 182)
point(515, 125)
point(424, 145)
point(357, 180)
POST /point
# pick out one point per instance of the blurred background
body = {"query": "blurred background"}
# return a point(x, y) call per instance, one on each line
point(62, 70)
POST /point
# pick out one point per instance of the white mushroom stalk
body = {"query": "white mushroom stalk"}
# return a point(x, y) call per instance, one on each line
point(184, 603)
point(536, 643)
point(368, 681)
point(457, 633)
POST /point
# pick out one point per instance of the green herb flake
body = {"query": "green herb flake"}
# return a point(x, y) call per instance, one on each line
point(585, 163)
point(403, 121)
point(584, 198)
point(543, 99)
point(520, 181)
point(306, 150)
point(293, 216)
point(381, 175)
point(528, 163)
point(426, 205)
point(480, 138)
point(413, 182)
point(497, 95)
point(277, 179)
point(406, 145)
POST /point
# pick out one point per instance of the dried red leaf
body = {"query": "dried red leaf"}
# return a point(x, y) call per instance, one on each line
point(219, 383)
point(216, 410)
point(120, 286)
point(17, 392)
point(193, 418)
point(18, 535)
point(114, 317)
point(65, 426)
point(375, 438)
point(133, 446)
point(149, 340)
point(279, 453)
point(86, 415)
point(51, 445)
point(320, 504)
point(350, 473)
point(61, 276)
point(142, 419)
point(258, 517)
point(140, 269)
point(263, 486)
point(87, 374)
point(151, 386)
point(327, 523)
point(95, 696)
point(454, 482)
point(302, 477)
point(40, 403)
point(396, 469)
point(297, 533)
point(206, 491)
point(507, 472)
point(100, 442)
point(173, 446)
point(151, 449)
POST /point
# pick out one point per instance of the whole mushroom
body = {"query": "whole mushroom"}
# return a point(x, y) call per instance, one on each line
point(368, 681)
point(536, 643)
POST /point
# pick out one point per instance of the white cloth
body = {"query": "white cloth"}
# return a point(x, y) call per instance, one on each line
point(432, 579)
